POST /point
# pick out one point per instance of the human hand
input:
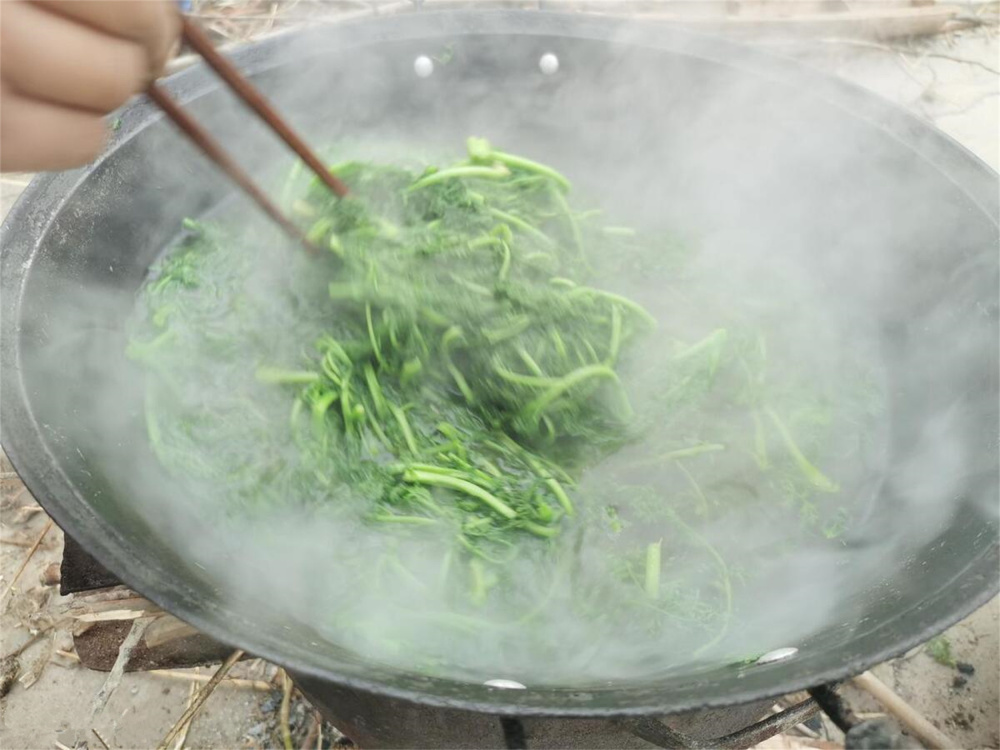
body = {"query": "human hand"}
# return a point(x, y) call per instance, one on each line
point(64, 64)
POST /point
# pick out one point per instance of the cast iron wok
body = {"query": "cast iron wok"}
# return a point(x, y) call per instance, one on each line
point(617, 114)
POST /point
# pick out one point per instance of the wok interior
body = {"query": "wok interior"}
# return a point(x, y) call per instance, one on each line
point(664, 140)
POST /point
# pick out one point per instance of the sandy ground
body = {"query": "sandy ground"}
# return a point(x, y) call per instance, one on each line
point(52, 701)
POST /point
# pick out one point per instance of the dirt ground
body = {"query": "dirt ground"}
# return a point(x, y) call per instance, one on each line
point(952, 82)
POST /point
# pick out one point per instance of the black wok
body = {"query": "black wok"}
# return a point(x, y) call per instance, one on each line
point(908, 196)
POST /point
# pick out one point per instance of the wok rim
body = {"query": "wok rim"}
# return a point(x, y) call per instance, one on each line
point(30, 218)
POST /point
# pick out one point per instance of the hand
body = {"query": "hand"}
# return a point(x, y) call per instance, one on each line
point(64, 64)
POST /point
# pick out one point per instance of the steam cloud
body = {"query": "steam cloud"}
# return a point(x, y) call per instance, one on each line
point(780, 191)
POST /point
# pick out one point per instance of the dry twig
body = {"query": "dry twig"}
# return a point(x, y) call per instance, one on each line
point(202, 696)
point(38, 634)
point(914, 722)
point(14, 543)
point(27, 559)
point(114, 615)
point(118, 669)
point(286, 702)
point(100, 739)
point(260, 685)
point(32, 674)
point(11, 499)
point(182, 737)
point(315, 730)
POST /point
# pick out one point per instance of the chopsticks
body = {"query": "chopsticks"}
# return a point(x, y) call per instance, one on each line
point(201, 44)
point(211, 148)
point(253, 98)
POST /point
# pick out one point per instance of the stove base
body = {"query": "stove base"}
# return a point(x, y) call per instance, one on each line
point(378, 723)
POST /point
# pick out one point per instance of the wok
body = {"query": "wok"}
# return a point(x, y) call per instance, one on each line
point(898, 198)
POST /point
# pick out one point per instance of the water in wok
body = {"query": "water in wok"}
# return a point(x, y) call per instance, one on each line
point(820, 231)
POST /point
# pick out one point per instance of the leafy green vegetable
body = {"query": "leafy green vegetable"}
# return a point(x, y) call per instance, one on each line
point(939, 649)
point(469, 366)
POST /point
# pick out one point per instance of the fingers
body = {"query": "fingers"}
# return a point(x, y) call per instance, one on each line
point(154, 24)
point(80, 67)
point(65, 63)
point(40, 134)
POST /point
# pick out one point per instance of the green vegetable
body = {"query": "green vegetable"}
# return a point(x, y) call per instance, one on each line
point(471, 370)
point(652, 581)
point(819, 480)
point(939, 649)
point(461, 485)
point(288, 377)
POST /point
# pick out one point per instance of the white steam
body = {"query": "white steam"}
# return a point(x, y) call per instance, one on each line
point(788, 200)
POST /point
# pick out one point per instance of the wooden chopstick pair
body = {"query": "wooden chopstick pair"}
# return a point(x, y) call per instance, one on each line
point(201, 44)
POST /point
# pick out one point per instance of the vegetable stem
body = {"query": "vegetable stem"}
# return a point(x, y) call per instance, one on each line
point(652, 579)
point(817, 478)
point(535, 407)
point(760, 443)
point(371, 334)
point(278, 376)
point(460, 485)
point(404, 427)
point(527, 165)
point(612, 297)
point(694, 450)
point(407, 520)
point(375, 389)
point(616, 335)
point(524, 226)
point(483, 173)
